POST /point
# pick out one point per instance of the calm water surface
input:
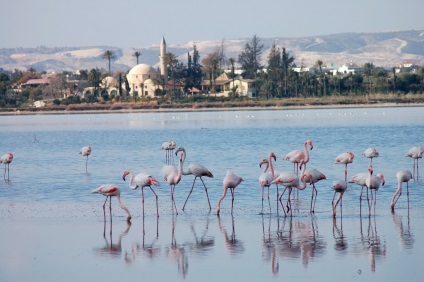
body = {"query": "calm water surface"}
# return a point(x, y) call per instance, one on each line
point(52, 227)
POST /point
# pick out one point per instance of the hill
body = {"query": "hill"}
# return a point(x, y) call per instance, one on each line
point(385, 49)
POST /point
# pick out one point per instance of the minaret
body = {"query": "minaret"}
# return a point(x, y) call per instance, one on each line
point(163, 68)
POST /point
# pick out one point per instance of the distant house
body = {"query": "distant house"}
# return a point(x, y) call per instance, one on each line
point(36, 82)
point(407, 64)
point(39, 104)
point(347, 69)
point(224, 85)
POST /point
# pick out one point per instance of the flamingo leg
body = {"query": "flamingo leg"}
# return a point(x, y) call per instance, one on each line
point(282, 202)
point(194, 181)
point(289, 202)
point(86, 165)
point(206, 190)
point(332, 205)
point(262, 200)
point(269, 203)
point(157, 207)
point(407, 193)
point(5, 172)
point(277, 197)
point(232, 200)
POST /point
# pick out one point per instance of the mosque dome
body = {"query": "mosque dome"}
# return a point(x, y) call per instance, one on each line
point(142, 69)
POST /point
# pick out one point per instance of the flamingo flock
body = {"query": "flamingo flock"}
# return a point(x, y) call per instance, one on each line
point(269, 176)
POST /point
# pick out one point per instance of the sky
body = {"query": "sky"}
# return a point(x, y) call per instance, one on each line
point(140, 23)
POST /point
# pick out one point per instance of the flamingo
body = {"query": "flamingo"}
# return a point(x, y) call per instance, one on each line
point(373, 183)
point(415, 153)
point(345, 158)
point(231, 181)
point(6, 159)
point(371, 153)
point(313, 176)
point(197, 170)
point(111, 190)
point(168, 146)
point(86, 151)
point(340, 187)
point(402, 176)
point(360, 180)
point(296, 156)
point(172, 176)
point(142, 180)
point(289, 180)
point(266, 178)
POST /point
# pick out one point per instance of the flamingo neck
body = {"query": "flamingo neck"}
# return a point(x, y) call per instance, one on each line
point(271, 166)
point(131, 184)
point(306, 153)
point(398, 190)
point(220, 200)
point(123, 207)
point(302, 178)
point(266, 168)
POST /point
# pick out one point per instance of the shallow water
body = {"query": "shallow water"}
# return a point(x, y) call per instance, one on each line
point(52, 227)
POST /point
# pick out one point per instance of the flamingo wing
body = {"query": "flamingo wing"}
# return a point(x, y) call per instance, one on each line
point(198, 170)
point(295, 156)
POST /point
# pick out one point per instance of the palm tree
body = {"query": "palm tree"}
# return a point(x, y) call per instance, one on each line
point(232, 63)
point(109, 55)
point(137, 54)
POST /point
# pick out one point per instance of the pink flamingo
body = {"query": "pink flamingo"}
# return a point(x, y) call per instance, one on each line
point(142, 180)
point(345, 158)
point(296, 156)
point(6, 159)
point(371, 153)
point(373, 183)
point(197, 170)
point(312, 176)
point(266, 178)
point(402, 176)
point(231, 181)
point(86, 151)
point(289, 180)
point(340, 187)
point(110, 190)
point(172, 176)
point(415, 153)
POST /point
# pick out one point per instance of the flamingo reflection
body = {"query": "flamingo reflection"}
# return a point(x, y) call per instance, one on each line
point(269, 248)
point(341, 244)
point(204, 243)
point(176, 253)
point(406, 235)
point(234, 246)
point(112, 249)
point(372, 242)
point(301, 240)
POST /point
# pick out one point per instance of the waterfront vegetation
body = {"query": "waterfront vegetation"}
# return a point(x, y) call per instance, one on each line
point(276, 84)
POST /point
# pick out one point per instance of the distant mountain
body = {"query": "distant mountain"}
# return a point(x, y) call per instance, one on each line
point(385, 49)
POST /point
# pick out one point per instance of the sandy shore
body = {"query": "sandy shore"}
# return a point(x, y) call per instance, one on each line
point(332, 106)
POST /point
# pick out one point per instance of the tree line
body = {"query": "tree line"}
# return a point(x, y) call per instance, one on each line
point(277, 78)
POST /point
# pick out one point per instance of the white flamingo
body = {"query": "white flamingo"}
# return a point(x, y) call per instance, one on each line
point(312, 176)
point(86, 151)
point(415, 153)
point(345, 158)
point(172, 176)
point(169, 146)
point(360, 180)
point(289, 181)
point(197, 170)
point(266, 177)
point(373, 184)
point(402, 176)
point(6, 159)
point(340, 187)
point(111, 190)
point(231, 181)
point(371, 153)
point(296, 156)
point(142, 180)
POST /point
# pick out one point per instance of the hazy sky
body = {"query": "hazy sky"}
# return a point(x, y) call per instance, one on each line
point(140, 23)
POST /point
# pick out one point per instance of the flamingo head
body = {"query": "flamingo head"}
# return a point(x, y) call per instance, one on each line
point(351, 156)
point(301, 163)
point(264, 161)
point(272, 155)
point(310, 143)
point(125, 174)
point(370, 168)
point(179, 149)
point(379, 175)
